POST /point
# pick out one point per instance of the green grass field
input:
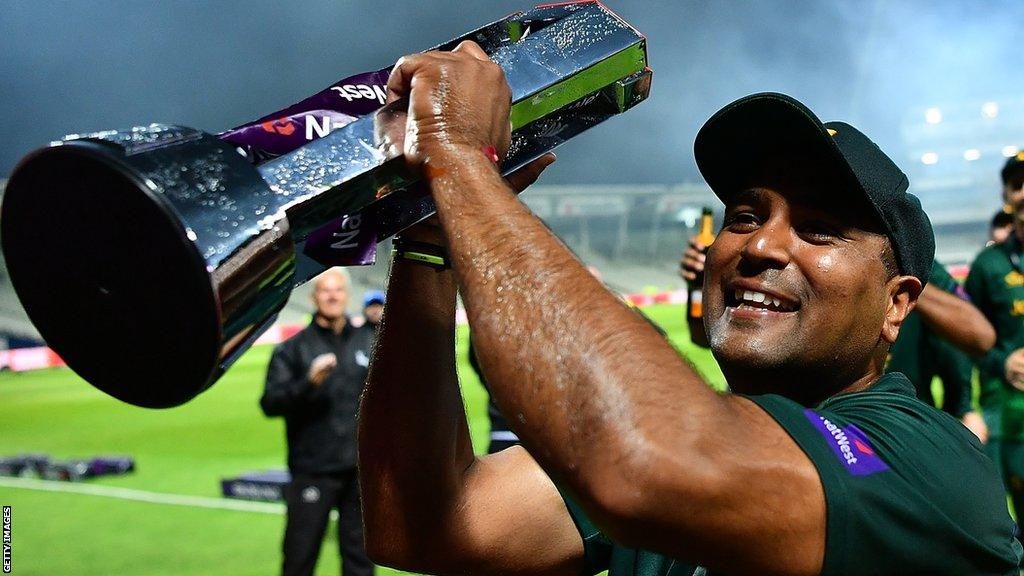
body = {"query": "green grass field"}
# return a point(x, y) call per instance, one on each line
point(185, 450)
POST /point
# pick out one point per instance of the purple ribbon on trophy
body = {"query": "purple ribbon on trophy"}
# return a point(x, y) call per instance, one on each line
point(281, 132)
point(332, 108)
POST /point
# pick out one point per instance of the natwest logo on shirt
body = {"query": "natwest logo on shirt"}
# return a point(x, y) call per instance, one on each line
point(850, 444)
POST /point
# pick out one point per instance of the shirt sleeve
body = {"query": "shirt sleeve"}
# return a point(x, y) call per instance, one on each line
point(975, 286)
point(600, 553)
point(993, 363)
point(597, 548)
point(896, 481)
point(831, 452)
point(956, 370)
point(940, 278)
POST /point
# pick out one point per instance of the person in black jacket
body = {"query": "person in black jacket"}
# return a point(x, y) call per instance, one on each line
point(314, 380)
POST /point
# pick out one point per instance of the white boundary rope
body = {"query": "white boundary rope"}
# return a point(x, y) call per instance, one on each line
point(143, 496)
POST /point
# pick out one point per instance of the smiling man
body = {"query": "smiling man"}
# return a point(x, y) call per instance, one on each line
point(815, 464)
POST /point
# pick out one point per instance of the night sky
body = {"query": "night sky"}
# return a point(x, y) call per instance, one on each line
point(85, 66)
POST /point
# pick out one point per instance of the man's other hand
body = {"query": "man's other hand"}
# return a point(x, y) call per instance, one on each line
point(1015, 369)
point(321, 367)
point(976, 424)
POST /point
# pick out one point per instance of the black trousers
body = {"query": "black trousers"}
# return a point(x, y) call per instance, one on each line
point(310, 499)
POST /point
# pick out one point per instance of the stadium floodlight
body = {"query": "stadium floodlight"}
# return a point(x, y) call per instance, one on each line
point(689, 216)
point(151, 258)
point(1010, 151)
point(972, 154)
point(933, 115)
point(929, 158)
point(990, 109)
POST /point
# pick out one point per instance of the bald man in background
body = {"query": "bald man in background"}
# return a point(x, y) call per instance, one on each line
point(314, 380)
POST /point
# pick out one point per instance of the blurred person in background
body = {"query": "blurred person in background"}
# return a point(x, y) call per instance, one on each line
point(314, 381)
point(1013, 182)
point(373, 307)
point(996, 285)
point(1000, 227)
point(921, 355)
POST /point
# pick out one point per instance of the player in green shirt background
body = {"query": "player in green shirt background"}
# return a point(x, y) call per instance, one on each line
point(996, 286)
point(921, 355)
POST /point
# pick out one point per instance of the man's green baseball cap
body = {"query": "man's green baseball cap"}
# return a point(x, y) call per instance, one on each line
point(769, 126)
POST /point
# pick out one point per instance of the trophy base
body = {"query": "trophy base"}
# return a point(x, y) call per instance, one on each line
point(103, 263)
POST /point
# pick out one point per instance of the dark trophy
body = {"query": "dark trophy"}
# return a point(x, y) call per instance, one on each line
point(151, 258)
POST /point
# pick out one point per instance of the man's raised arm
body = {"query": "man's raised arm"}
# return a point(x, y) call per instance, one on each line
point(956, 320)
point(428, 504)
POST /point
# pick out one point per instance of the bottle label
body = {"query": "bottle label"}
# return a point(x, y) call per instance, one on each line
point(696, 303)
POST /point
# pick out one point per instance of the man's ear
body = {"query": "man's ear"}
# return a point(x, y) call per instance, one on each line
point(903, 292)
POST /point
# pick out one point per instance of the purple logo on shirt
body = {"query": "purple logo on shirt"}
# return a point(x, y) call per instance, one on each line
point(960, 291)
point(849, 444)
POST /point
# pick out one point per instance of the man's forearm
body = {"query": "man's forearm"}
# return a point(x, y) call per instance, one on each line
point(956, 320)
point(586, 382)
point(413, 438)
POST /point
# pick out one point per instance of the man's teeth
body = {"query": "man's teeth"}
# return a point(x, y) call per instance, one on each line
point(751, 296)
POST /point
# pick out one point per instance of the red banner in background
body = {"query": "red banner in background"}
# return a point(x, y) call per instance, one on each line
point(25, 359)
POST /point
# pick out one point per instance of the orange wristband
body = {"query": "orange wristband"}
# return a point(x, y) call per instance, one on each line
point(491, 152)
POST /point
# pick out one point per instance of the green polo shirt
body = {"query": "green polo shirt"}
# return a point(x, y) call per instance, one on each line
point(996, 286)
point(921, 355)
point(908, 490)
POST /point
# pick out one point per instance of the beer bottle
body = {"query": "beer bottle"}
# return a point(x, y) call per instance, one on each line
point(695, 295)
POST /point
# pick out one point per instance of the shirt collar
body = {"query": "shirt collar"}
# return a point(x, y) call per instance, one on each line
point(892, 383)
point(327, 331)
